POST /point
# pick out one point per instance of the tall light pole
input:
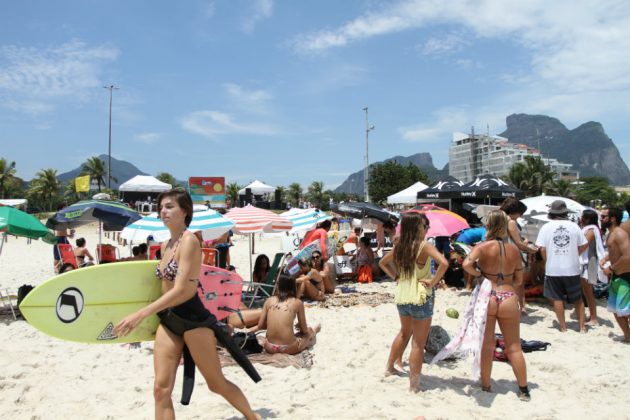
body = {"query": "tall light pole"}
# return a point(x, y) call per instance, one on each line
point(368, 128)
point(109, 153)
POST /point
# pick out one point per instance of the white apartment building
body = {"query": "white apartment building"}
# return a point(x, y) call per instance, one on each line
point(471, 155)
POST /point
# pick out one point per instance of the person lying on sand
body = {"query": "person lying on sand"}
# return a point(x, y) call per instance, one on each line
point(278, 316)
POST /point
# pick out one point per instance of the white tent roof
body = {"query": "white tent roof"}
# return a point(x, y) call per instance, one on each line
point(408, 195)
point(258, 188)
point(145, 183)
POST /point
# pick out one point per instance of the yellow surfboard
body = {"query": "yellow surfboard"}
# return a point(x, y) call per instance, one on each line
point(84, 305)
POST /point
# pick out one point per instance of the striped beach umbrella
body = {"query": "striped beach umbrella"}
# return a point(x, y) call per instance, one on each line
point(250, 219)
point(305, 219)
point(210, 223)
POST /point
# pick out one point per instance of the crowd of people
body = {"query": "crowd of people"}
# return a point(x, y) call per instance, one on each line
point(569, 259)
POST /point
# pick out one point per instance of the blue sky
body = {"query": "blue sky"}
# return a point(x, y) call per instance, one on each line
point(274, 90)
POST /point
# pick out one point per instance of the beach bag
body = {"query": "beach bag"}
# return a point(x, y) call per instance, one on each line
point(527, 346)
point(247, 342)
point(364, 274)
point(24, 290)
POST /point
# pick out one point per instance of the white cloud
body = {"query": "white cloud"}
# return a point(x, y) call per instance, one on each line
point(261, 10)
point(148, 138)
point(444, 45)
point(216, 123)
point(32, 79)
point(248, 99)
point(574, 46)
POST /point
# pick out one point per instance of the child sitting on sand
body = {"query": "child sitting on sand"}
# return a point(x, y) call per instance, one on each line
point(279, 314)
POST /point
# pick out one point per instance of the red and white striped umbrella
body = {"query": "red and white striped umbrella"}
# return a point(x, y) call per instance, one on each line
point(250, 219)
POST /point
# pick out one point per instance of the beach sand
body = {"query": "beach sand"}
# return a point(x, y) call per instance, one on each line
point(578, 377)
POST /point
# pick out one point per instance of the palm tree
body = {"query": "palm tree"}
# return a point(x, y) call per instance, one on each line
point(231, 191)
point(96, 169)
point(7, 172)
point(532, 176)
point(295, 193)
point(563, 188)
point(316, 193)
point(45, 188)
point(167, 178)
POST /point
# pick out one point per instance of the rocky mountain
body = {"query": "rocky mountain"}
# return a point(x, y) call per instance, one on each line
point(354, 183)
point(586, 147)
point(121, 170)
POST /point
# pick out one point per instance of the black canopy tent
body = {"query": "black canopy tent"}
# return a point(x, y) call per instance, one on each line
point(489, 187)
point(441, 192)
point(452, 193)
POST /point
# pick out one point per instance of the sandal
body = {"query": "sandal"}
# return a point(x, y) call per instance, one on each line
point(523, 393)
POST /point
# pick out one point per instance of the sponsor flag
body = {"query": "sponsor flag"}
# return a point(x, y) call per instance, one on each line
point(82, 183)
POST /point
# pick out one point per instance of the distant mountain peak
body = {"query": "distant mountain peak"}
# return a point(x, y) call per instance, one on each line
point(587, 147)
point(121, 170)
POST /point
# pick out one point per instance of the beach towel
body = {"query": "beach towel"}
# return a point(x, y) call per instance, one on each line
point(469, 339)
point(279, 360)
point(599, 246)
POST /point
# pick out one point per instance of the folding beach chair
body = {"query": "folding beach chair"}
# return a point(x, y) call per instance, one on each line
point(209, 256)
point(67, 254)
point(7, 301)
point(261, 291)
point(107, 253)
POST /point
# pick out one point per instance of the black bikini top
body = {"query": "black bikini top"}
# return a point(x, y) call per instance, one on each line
point(502, 254)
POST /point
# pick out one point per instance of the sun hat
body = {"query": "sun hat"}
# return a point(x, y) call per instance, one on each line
point(558, 208)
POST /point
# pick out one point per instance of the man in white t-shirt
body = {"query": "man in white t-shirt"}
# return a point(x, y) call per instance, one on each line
point(561, 242)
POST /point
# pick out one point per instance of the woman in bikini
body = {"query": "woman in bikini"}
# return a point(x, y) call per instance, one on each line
point(278, 316)
point(310, 284)
point(81, 253)
point(324, 271)
point(409, 263)
point(183, 318)
point(500, 262)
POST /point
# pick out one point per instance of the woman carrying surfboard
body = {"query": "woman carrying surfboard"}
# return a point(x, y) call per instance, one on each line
point(184, 322)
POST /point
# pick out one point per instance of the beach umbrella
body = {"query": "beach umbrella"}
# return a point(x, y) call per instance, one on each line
point(364, 211)
point(442, 222)
point(305, 219)
point(249, 220)
point(210, 223)
point(538, 207)
point(16, 222)
point(112, 213)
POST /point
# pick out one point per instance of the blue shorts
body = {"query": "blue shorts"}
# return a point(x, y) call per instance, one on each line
point(417, 311)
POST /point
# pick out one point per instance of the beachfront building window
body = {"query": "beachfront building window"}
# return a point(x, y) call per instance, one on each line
point(471, 155)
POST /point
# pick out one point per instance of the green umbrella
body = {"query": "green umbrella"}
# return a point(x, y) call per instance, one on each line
point(16, 222)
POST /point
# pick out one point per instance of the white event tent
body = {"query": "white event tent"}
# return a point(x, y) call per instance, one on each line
point(258, 188)
point(408, 195)
point(144, 183)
